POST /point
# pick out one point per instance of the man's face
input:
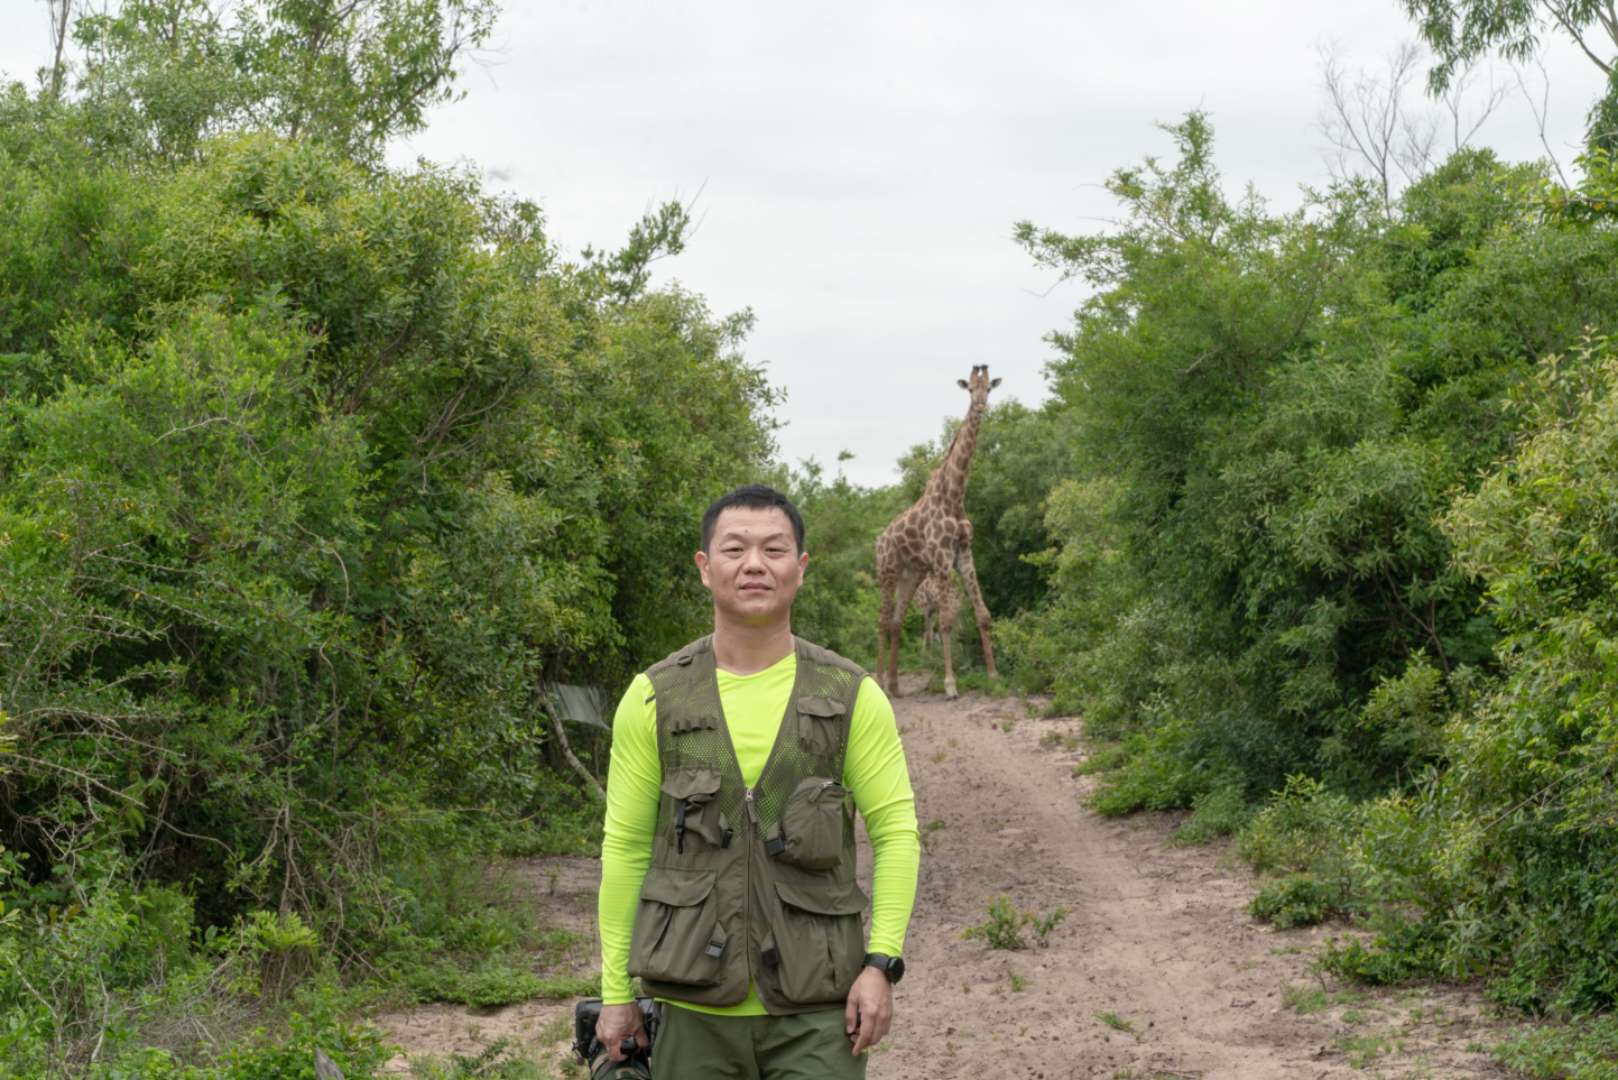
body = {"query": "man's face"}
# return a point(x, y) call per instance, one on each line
point(752, 566)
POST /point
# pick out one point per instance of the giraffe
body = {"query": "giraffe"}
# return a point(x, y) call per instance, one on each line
point(934, 537)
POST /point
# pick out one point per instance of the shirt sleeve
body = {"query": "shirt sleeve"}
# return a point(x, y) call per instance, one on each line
point(634, 779)
point(876, 774)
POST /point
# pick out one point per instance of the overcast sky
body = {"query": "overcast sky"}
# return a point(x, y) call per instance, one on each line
point(857, 168)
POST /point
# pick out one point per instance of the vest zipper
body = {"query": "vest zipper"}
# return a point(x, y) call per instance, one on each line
point(747, 878)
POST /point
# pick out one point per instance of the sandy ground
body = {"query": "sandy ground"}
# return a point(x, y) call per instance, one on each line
point(1156, 971)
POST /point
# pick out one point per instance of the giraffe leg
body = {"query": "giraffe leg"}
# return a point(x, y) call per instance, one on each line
point(949, 604)
point(882, 631)
point(969, 579)
point(908, 580)
point(887, 584)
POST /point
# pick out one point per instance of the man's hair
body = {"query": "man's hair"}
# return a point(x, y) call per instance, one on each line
point(751, 497)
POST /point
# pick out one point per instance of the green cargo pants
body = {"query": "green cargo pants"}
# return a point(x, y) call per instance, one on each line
point(699, 1046)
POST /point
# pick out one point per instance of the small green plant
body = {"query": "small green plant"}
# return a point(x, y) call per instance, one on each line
point(497, 1061)
point(1363, 1050)
point(1059, 740)
point(1303, 999)
point(1003, 930)
point(1044, 924)
point(1006, 921)
point(1118, 1023)
point(1102, 758)
point(1018, 983)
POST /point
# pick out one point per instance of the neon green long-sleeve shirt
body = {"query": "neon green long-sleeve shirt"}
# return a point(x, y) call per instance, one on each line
point(874, 771)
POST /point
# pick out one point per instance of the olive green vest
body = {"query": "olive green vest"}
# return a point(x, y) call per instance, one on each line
point(751, 883)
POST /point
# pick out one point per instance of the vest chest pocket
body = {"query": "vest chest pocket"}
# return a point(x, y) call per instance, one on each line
point(677, 937)
point(820, 726)
point(810, 832)
point(819, 940)
point(695, 797)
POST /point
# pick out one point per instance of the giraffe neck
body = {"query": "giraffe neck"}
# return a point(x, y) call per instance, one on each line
point(950, 479)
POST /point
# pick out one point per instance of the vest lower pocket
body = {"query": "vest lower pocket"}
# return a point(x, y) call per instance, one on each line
point(677, 935)
point(820, 941)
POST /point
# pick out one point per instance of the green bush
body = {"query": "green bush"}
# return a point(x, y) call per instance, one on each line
point(1295, 900)
point(1216, 813)
point(1403, 952)
point(1299, 825)
point(1580, 1049)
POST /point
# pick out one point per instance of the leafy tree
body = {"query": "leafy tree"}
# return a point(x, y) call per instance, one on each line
point(1460, 33)
point(159, 76)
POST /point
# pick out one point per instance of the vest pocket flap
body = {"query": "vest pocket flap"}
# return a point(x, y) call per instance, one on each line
point(677, 888)
point(689, 783)
point(684, 722)
point(825, 708)
point(830, 898)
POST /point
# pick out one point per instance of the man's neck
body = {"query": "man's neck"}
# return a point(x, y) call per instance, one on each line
point(747, 650)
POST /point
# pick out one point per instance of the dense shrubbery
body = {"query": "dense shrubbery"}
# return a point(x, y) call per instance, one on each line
point(1338, 526)
point(1508, 852)
point(312, 474)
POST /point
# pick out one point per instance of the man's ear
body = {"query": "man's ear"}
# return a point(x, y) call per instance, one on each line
point(702, 565)
point(962, 384)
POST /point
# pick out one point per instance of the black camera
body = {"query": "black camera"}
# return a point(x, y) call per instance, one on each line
point(637, 1063)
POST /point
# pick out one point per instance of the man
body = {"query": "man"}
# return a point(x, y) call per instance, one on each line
point(727, 862)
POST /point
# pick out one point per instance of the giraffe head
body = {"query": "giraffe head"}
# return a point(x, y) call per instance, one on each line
point(979, 385)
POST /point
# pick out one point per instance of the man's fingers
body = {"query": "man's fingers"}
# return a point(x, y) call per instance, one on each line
point(618, 1023)
point(873, 1024)
point(851, 1015)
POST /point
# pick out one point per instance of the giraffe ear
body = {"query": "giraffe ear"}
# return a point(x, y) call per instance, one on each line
point(993, 383)
point(962, 384)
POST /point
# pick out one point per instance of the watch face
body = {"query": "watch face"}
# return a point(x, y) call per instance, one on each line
point(896, 969)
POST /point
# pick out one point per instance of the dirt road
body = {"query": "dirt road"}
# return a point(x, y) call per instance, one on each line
point(1156, 971)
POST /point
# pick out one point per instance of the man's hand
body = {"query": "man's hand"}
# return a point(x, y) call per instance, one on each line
point(617, 1023)
point(869, 1011)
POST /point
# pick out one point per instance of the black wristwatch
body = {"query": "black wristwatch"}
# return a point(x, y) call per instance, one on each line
point(891, 966)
